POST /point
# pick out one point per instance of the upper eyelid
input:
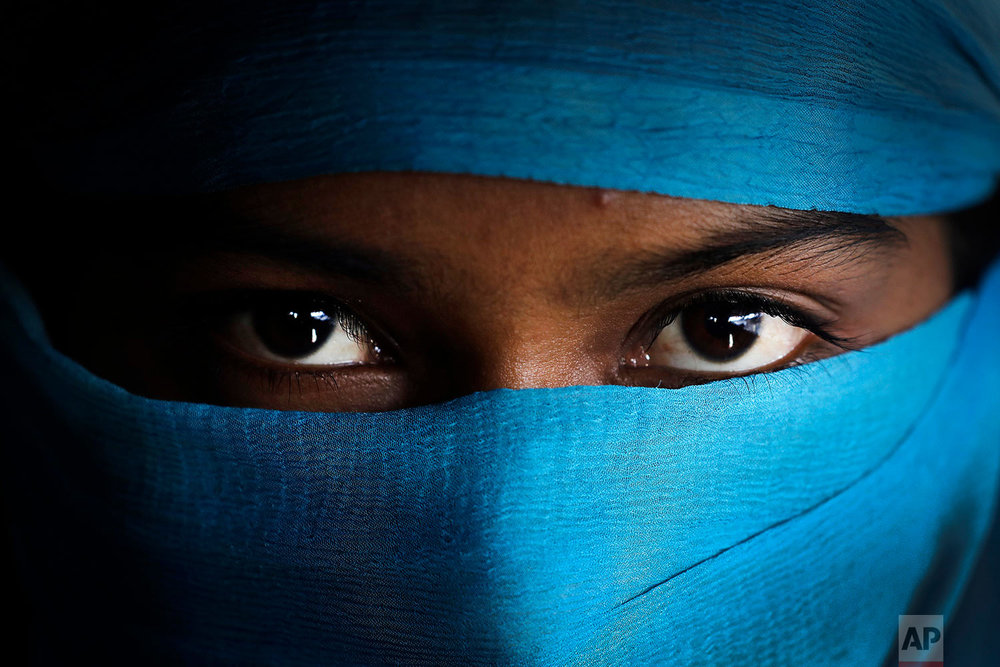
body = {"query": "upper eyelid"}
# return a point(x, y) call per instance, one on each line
point(768, 304)
point(225, 303)
point(814, 236)
point(222, 306)
point(362, 330)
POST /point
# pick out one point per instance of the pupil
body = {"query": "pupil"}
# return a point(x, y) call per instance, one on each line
point(720, 331)
point(292, 332)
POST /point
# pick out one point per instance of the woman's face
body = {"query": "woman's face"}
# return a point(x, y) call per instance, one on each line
point(380, 291)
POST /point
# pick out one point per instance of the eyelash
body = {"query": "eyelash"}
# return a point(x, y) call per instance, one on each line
point(352, 325)
point(753, 301)
point(220, 306)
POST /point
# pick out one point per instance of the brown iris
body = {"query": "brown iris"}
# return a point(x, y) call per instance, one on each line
point(720, 331)
point(292, 332)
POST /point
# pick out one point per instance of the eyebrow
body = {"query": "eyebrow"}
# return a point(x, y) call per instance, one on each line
point(327, 256)
point(829, 238)
point(229, 233)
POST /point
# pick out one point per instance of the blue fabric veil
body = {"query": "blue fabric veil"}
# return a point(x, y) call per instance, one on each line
point(732, 522)
point(871, 107)
point(724, 523)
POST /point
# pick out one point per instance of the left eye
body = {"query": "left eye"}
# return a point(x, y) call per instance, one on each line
point(303, 332)
point(724, 337)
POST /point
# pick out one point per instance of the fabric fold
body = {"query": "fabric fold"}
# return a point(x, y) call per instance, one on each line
point(510, 525)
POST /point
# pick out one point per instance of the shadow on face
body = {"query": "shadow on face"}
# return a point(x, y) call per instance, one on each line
point(378, 291)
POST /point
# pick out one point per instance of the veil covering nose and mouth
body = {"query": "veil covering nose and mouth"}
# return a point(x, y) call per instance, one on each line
point(720, 523)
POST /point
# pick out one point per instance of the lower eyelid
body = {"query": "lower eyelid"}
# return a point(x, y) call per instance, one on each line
point(344, 338)
point(811, 350)
point(240, 374)
point(278, 376)
point(261, 360)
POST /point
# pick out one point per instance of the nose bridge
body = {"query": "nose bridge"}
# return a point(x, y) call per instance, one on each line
point(522, 347)
point(518, 323)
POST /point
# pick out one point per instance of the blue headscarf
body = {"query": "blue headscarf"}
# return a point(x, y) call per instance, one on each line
point(869, 107)
point(728, 522)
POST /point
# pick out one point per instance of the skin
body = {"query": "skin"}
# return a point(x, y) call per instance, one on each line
point(477, 283)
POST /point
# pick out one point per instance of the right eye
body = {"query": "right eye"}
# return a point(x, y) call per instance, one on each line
point(303, 331)
point(725, 336)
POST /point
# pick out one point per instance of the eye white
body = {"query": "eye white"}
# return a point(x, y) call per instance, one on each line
point(776, 339)
point(335, 348)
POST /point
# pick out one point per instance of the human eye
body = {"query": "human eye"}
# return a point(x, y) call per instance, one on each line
point(275, 348)
point(726, 333)
point(300, 330)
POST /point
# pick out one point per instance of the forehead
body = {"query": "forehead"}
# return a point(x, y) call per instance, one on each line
point(462, 237)
point(454, 214)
